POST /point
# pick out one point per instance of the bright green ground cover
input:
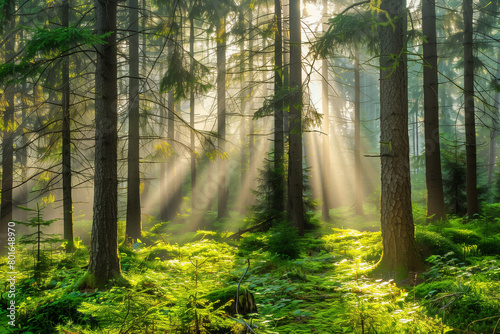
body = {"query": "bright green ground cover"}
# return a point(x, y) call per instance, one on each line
point(329, 288)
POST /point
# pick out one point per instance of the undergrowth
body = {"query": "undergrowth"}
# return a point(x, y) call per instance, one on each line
point(321, 283)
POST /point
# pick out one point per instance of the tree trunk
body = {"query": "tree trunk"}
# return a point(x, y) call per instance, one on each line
point(470, 124)
point(8, 141)
point(325, 108)
point(494, 129)
point(279, 200)
point(433, 177)
point(104, 261)
point(191, 119)
point(295, 180)
point(358, 186)
point(133, 224)
point(66, 142)
point(222, 191)
point(169, 202)
point(399, 251)
point(163, 169)
point(251, 126)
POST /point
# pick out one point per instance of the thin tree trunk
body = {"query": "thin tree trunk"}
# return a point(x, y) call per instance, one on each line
point(66, 142)
point(133, 224)
point(251, 125)
point(295, 179)
point(358, 186)
point(470, 123)
point(286, 60)
point(433, 176)
point(191, 119)
point(279, 200)
point(325, 101)
point(399, 251)
point(494, 129)
point(243, 114)
point(222, 190)
point(170, 201)
point(163, 169)
point(104, 261)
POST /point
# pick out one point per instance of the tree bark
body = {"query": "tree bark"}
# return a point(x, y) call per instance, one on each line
point(163, 169)
point(191, 119)
point(470, 123)
point(399, 251)
point(222, 191)
point(325, 108)
point(66, 142)
point(358, 186)
point(133, 224)
point(279, 200)
point(104, 261)
point(295, 179)
point(8, 141)
point(433, 176)
point(494, 129)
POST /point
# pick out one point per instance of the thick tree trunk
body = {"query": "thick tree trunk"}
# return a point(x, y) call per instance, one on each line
point(325, 108)
point(399, 251)
point(433, 176)
point(470, 123)
point(7, 143)
point(358, 186)
point(66, 142)
point(222, 191)
point(104, 261)
point(279, 200)
point(295, 180)
point(133, 224)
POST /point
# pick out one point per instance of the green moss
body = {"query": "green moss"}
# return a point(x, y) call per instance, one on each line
point(432, 243)
point(431, 289)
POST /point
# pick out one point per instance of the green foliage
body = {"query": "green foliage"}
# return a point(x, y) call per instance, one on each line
point(491, 211)
point(429, 243)
point(11, 73)
point(490, 245)
point(37, 240)
point(353, 244)
point(43, 318)
point(454, 182)
point(47, 41)
point(182, 78)
point(347, 31)
point(7, 8)
point(253, 242)
point(269, 181)
point(330, 289)
point(284, 242)
point(50, 43)
point(461, 236)
point(466, 305)
point(281, 100)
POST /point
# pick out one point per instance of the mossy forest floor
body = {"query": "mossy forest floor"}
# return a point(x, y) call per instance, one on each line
point(183, 283)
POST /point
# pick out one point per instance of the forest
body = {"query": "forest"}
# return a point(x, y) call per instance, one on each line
point(249, 166)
